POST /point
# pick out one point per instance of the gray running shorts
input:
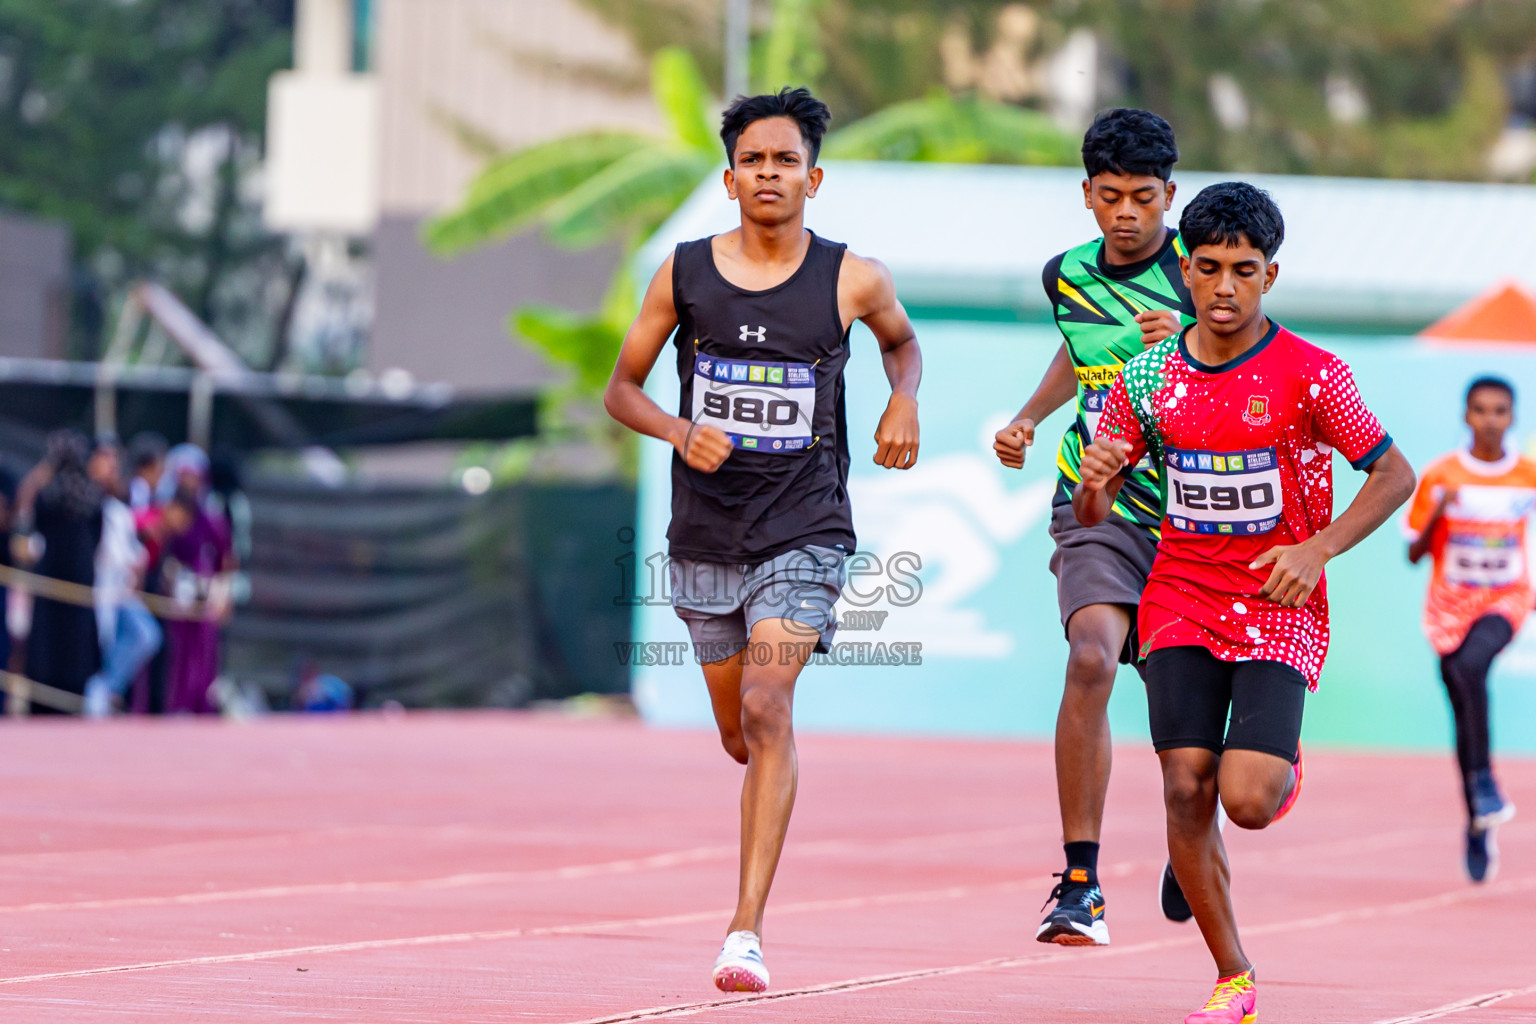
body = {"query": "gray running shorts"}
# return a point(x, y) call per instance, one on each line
point(721, 602)
point(1104, 564)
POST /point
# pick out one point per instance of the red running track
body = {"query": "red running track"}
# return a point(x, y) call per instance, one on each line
point(531, 868)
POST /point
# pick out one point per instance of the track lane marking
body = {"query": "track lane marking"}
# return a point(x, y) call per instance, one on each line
point(848, 903)
point(628, 865)
point(1461, 1006)
point(659, 861)
point(1004, 963)
point(845, 903)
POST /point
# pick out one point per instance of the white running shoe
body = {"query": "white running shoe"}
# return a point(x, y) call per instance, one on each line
point(97, 702)
point(739, 967)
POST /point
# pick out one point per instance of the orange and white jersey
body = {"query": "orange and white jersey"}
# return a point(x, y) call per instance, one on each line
point(1478, 545)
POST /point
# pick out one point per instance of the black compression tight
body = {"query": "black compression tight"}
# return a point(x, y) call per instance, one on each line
point(1465, 671)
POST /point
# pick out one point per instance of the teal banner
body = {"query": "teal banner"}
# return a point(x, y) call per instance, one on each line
point(953, 558)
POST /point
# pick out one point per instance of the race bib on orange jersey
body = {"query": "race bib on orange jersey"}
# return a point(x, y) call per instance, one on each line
point(1482, 560)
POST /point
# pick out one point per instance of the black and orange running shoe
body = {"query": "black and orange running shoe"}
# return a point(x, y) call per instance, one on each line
point(1078, 918)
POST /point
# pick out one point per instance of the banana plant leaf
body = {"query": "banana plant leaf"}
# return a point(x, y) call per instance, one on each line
point(516, 190)
point(940, 128)
point(629, 199)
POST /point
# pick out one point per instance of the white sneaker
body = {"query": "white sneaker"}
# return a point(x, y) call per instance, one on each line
point(739, 967)
point(97, 702)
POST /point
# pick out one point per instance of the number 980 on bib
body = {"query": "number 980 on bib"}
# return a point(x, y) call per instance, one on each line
point(766, 407)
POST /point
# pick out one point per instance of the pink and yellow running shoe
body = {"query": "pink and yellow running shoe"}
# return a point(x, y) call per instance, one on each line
point(1290, 801)
point(1235, 1001)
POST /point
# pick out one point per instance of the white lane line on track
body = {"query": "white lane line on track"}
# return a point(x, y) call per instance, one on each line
point(660, 861)
point(718, 914)
point(630, 865)
point(849, 903)
point(1461, 1006)
point(576, 871)
point(1005, 963)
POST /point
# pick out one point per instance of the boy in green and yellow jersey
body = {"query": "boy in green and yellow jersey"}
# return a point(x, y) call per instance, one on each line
point(1111, 297)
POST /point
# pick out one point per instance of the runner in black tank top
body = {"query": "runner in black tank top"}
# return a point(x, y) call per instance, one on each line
point(766, 367)
point(760, 514)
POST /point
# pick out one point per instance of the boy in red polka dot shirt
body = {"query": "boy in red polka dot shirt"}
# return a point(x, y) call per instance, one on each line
point(1243, 418)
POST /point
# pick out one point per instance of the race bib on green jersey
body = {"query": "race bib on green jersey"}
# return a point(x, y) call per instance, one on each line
point(765, 407)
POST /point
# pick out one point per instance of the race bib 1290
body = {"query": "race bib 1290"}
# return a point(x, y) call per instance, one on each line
point(1223, 492)
point(765, 407)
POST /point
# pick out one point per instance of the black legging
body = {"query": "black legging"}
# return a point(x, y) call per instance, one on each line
point(1465, 671)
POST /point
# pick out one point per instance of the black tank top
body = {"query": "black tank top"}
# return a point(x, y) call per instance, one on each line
point(766, 367)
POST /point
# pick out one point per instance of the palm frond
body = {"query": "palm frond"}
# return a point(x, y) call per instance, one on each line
point(683, 98)
point(629, 199)
point(516, 189)
point(588, 343)
point(792, 54)
point(941, 128)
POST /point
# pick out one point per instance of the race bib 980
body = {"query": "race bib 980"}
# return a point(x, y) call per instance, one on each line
point(766, 407)
point(1223, 492)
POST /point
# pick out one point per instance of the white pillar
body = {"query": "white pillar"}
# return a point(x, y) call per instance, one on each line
point(738, 43)
point(322, 37)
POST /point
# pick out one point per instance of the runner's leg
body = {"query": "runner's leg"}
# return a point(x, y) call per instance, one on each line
point(1465, 671)
point(1198, 855)
point(1258, 765)
point(1097, 635)
point(768, 793)
point(1253, 785)
point(724, 681)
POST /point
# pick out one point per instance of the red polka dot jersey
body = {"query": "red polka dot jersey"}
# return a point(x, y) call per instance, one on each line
point(1247, 453)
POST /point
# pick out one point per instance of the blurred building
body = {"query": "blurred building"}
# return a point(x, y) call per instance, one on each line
point(34, 287)
point(391, 110)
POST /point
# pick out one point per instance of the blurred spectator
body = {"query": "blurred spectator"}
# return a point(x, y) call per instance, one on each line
point(157, 526)
point(314, 690)
point(129, 635)
point(66, 514)
point(146, 463)
point(199, 568)
point(7, 517)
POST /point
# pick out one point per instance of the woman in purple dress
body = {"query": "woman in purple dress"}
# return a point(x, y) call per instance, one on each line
point(200, 561)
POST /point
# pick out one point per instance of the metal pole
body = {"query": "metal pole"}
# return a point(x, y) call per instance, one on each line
point(200, 411)
point(738, 44)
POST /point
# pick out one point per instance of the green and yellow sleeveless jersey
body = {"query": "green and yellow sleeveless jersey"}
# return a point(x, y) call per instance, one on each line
point(1095, 305)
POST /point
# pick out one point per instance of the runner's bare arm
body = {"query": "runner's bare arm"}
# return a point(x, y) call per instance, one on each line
point(703, 447)
point(1419, 546)
point(1100, 467)
point(1298, 567)
point(1056, 388)
point(1159, 325)
point(866, 292)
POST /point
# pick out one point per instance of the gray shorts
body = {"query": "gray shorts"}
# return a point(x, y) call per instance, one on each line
point(721, 602)
point(1104, 564)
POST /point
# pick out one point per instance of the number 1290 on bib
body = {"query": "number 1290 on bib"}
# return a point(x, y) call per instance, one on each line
point(1223, 492)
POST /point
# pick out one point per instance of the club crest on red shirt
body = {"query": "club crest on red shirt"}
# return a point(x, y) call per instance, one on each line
point(1257, 413)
